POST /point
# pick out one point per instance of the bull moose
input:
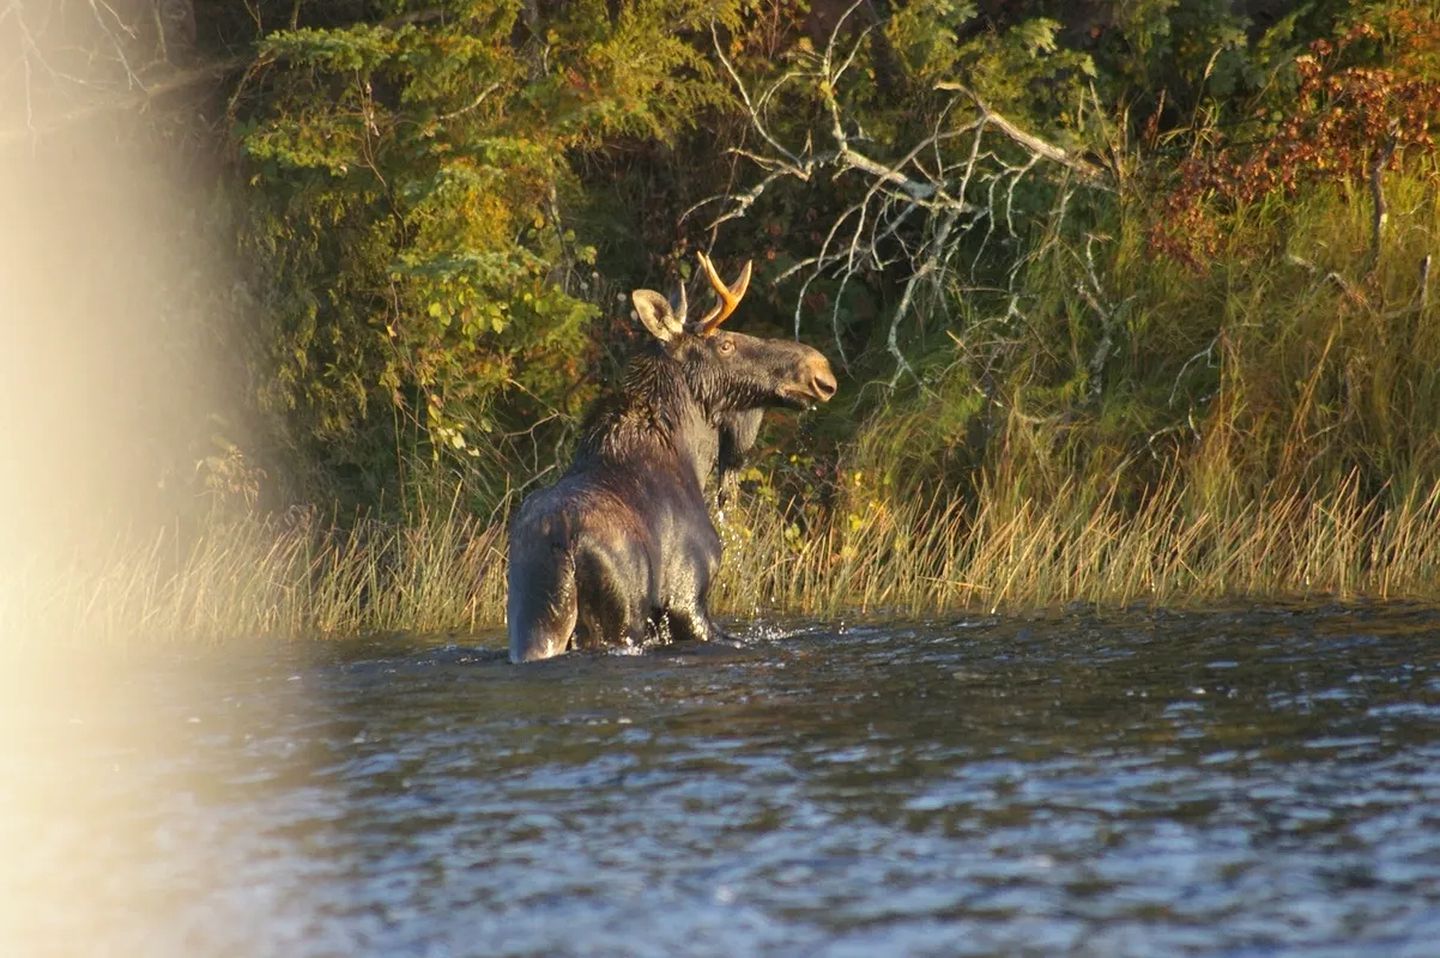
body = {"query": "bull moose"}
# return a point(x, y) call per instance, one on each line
point(621, 549)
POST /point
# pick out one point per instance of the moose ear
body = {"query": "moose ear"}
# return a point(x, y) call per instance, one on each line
point(655, 312)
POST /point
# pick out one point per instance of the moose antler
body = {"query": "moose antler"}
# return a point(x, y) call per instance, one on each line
point(680, 303)
point(730, 296)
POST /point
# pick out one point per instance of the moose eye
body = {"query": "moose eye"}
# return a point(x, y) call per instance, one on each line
point(726, 346)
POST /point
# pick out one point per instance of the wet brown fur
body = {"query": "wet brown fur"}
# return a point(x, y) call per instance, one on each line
point(621, 549)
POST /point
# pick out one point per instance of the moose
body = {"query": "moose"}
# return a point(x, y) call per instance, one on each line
point(621, 549)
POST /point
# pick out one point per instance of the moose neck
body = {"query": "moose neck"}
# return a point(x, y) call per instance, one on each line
point(654, 412)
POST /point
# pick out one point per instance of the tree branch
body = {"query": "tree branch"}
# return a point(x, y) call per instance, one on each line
point(139, 99)
point(1380, 212)
point(1088, 171)
point(915, 205)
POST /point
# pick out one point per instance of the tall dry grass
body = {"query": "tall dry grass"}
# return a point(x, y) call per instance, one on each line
point(926, 557)
point(264, 577)
point(445, 572)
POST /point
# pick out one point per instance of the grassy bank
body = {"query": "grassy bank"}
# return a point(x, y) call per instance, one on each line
point(1266, 426)
point(1008, 554)
point(446, 572)
point(263, 576)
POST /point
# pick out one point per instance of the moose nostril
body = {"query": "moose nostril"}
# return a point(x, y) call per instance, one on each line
point(824, 385)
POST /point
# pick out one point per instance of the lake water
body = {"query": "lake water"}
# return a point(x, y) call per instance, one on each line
point(1248, 782)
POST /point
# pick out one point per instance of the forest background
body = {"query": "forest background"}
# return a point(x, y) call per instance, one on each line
point(1128, 300)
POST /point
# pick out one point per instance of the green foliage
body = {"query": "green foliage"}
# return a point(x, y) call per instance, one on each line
point(441, 208)
point(926, 37)
point(1297, 370)
point(411, 188)
point(1190, 327)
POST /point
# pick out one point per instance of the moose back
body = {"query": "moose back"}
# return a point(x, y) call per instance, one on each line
point(621, 549)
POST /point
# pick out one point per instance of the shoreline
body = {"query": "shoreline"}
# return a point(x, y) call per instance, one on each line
point(256, 577)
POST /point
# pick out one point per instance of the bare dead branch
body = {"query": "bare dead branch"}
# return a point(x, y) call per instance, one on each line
point(755, 115)
point(1029, 141)
point(473, 104)
point(1379, 211)
point(913, 205)
point(139, 99)
point(1341, 283)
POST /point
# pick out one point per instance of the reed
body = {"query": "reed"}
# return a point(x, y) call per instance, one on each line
point(263, 577)
point(445, 572)
point(929, 557)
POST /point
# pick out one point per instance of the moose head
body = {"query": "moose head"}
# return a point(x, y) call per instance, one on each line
point(735, 377)
point(730, 372)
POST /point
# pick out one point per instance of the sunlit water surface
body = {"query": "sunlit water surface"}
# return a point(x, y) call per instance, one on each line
point(1258, 782)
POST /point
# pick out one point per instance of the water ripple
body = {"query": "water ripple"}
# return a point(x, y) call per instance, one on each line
point(1231, 783)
